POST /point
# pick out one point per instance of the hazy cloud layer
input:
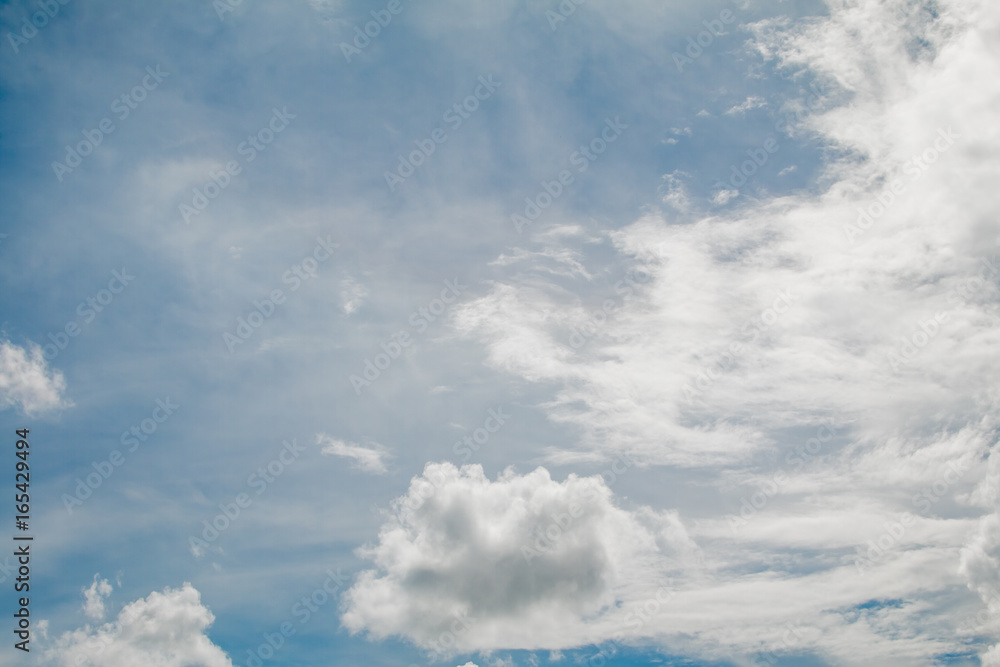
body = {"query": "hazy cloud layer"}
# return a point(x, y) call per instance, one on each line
point(371, 458)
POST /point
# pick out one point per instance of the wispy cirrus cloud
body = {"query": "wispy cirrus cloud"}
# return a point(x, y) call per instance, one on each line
point(369, 458)
point(708, 367)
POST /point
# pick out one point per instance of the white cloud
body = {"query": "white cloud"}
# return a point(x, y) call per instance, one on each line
point(352, 294)
point(980, 560)
point(26, 381)
point(162, 630)
point(93, 605)
point(673, 191)
point(466, 563)
point(370, 459)
point(752, 102)
point(888, 327)
point(557, 261)
point(723, 196)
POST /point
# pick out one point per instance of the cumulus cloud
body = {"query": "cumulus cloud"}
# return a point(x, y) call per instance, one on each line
point(466, 563)
point(93, 605)
point(872, 305)
point(370, 459)
point(162, 630)
point(26, 380)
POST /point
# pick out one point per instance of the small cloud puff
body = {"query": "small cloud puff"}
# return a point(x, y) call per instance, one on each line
point(26, 380)
point(93, 605)
point(370, 459)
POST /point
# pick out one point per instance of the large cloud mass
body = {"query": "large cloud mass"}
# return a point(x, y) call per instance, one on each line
point(522, 561)
point(831, 357)
point(162, 630)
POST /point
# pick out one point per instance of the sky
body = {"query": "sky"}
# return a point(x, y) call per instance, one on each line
point(501, 333)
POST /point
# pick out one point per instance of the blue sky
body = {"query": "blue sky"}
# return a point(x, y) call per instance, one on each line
point(706, 290)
